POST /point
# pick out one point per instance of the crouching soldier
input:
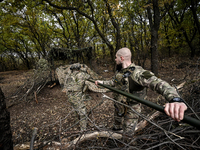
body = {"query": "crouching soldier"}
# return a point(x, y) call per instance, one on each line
point(72, 79)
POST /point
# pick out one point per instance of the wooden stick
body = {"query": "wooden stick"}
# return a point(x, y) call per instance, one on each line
point(51, 86)
point(35, 97)
point(96, 134)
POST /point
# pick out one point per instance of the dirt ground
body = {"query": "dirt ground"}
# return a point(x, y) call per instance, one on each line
point(53, 115)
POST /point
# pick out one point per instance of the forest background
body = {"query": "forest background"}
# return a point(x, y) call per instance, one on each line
point(91, 31)
point(152, 29)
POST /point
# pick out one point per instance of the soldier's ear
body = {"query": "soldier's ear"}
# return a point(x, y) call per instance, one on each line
point(122, 58)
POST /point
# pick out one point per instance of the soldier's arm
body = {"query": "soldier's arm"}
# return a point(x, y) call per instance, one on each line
point(174, 109)
point(106, 82)
point(148, 79)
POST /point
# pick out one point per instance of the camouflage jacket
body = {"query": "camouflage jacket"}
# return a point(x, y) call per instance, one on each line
point(134, 79)
point(72, 77)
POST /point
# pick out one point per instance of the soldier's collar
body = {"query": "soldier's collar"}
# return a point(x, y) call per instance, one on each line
point(128, 68)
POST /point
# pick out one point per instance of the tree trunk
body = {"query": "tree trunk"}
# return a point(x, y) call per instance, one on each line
point(154, 52)
point(154, 27)
point(131, 44)
point(194, 12)
point(189, 41)
point(5, 129)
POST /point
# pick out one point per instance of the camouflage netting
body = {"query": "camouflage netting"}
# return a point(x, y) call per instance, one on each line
point(83, 55)
point(45, 72)
point(34, 84)
point(64, 71)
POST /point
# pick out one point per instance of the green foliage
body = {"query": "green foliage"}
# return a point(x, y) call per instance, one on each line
point(28, 29)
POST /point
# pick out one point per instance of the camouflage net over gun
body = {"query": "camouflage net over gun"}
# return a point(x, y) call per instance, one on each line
point(63, 73)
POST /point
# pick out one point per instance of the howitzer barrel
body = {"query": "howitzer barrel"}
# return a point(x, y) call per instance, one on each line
point(192, 121)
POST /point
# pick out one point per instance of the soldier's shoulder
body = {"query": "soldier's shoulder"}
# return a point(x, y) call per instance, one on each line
point(134, 68)
point(138, 67)
point(141, 72)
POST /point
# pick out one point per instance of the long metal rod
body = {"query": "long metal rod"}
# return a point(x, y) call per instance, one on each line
point(192, 121)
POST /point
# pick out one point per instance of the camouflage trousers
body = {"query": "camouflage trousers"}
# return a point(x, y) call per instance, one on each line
point(77, 101)
point(129, 120)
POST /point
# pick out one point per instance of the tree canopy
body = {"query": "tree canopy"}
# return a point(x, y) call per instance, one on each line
point(30, 29)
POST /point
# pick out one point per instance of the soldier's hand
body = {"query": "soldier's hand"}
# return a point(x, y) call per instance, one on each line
point(98, 81)
point(175, 110)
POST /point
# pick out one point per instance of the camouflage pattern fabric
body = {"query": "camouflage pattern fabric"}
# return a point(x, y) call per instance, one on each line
point(77, 101)
point(136, 83)
point(76, 80)
point(72, 79)
point(148, 79)
point(42, 70)
point(92, 87)
point(131, 119)
point(61, 72)
point(43, 64)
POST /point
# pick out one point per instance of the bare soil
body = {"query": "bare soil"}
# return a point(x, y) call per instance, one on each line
point(53, 115)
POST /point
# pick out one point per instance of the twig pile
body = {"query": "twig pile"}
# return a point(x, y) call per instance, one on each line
point(33, 85)
point(156, 131)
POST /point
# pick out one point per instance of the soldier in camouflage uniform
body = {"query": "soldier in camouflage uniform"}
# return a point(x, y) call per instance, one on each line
point(134, 79)
point(72, 79)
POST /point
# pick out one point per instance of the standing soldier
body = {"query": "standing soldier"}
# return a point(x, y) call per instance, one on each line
point(134, 79)
point(72, 79)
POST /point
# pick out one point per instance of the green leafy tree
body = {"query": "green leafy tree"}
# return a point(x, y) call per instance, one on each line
point(93, 13)
point(183, 21)
point(27, 29)
point(154, 9)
